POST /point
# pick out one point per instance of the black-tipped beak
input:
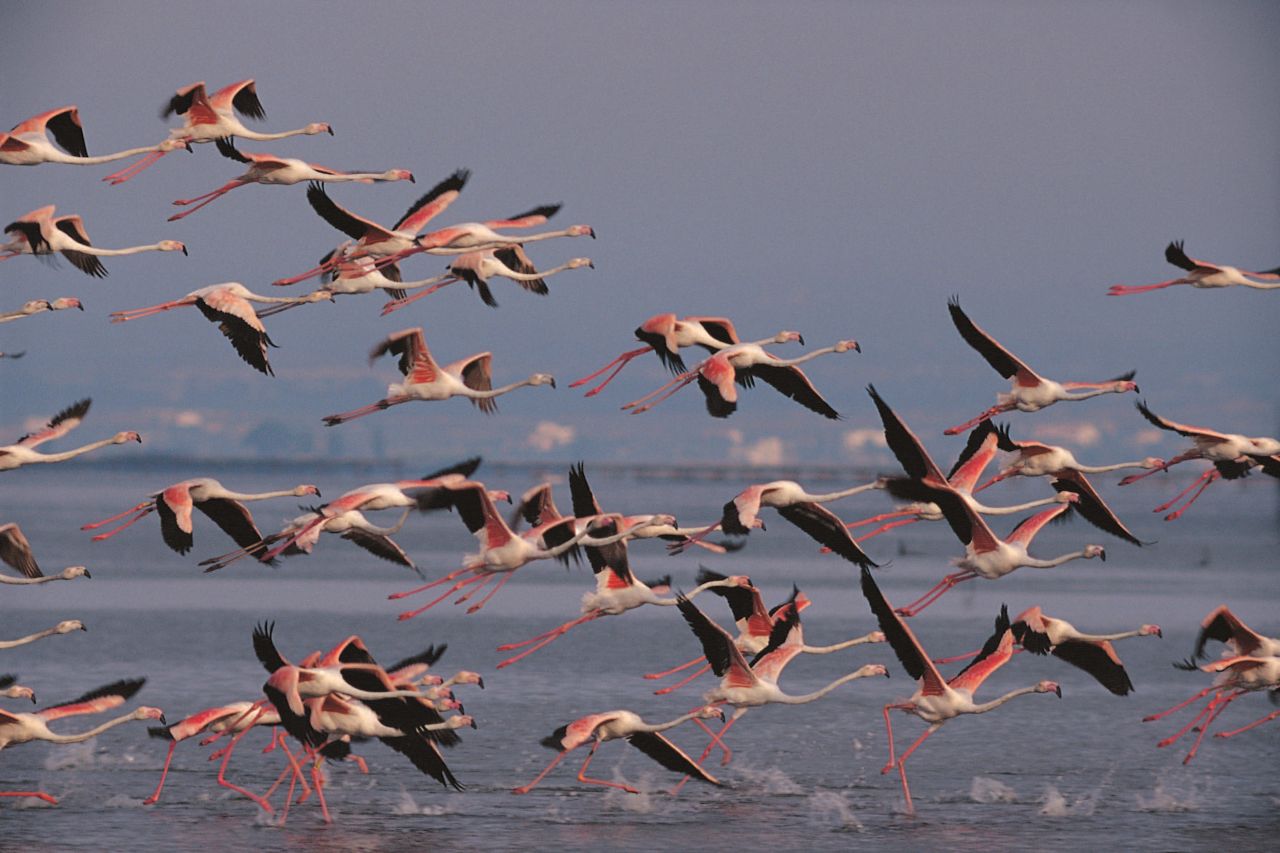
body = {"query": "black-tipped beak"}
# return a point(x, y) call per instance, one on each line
point(163, 721)
point(1058, 690)
point(480, 683)
point(800, 339)
point(86, 574)
point(473, 724)
point(184, 252)
point(553, 383)
point(886, 673)
point(83, 628)
point(1160, 633)
point(1103, 556)
point(331, 131)
point(592, 232)
point(857, 347)
point(139, 439)
point(81, 307)
point(1135, 390)
point(412, 180)
point(591, 264)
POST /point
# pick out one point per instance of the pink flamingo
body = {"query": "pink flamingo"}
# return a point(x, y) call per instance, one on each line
point(24, 452)
point(1203, 274)
point(1036, 459)
point(175, 503)
point(986, 555)
point(28, 143)
point(476, 236)
point(477, 268)
point(938, 700)
point(744, 363)
point(1029, 391)
point(470, 377)
point(11, 690)
point(613, 725)
point(282, 171)
point(228, 305)
point(23, 728)
point(1234, 677)
point(38, 306)
point(234, 718)
point(64, 627)
point(207, 118)
point(16, 551)
point(664, 335)
point(1233, 456)
point(40, 233)
point(1226, 627)
point(305, 530)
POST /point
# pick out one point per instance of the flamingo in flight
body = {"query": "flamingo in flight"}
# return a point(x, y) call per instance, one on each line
point(64, 627)
point(37, 306)
point(374, 240)
point(938, 700)
point(305, 530)
point(1233, 456)
point(175, 503)
point(354, 276)
point(10, 689)
point(228, 305)
point(207, 118)
point(16, 552)
point(1029, 391)
point(23, 452)
point(664, 335)
point(986, 555)
point(1036, 459)
point(470, 377)
point(1225, 627)
point(24, 728)
point(1203, 274)
point(40, 233)
point(751, 685)
point(477, 268)
point(718, 375)
point(29, 143)
point(801, 508)
point(1041, 634)
point(614, 725)
point(1234, 677)
point(281, 171)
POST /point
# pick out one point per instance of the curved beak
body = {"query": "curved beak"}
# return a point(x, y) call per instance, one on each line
point(480, 683)
point(553, 383)
point(1058, 690)
point(86, 574)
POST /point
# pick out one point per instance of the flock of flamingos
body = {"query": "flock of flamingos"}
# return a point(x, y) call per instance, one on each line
point(326, 701)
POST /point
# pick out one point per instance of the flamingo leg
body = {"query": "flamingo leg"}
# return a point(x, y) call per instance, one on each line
point(884, 527)
point(119, 177)
point(695, 539)
point(623, 359)
point(1268, 718)
point(655, 675)
point(449, 577)
point(292, 538)
point(317, 779)
point(715, 738)
point(1003, 475)
point(94, 525)
point(1184, 703)
point(478, 578)
point(343, 417)
point(934, 594)
point(40, 795)
point(524, 789)
point(1204, 727)
point(139, 313)
point(222, 779)
point(582, 777)
point(678, 383)
point(205, 199)
point(1204, 482)
point(682, 682)
point(1126, 290)
point(1181, 457)
point(884, 516)
point(902, 765)
point(985, 416)
point(499, 585)
point(546, 638)
point(397, 304)
point(1204, 712)
point(155, 795)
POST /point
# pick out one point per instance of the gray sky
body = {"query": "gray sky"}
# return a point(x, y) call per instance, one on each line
point(836, 168)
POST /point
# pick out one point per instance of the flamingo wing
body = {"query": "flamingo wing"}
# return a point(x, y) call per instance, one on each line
point(670, 756)
point(185, 98)
point(355, 227)
point(1174, 254)
point(536, 506)
point(15, 550)
point(995, 654)
point(744, 603)
point(380, 545)
point(64, 125)
point(477, 374)
point(720, 328)
point(978, 452)
point(515, 259)
point(966, 524)
point(30, 231)
point(235, 520)
point(1099, 660)
point(99, 699)
point(1225, 627)
point(1092, 507)
point(717, 646)
point(657, 332)
point(1174, 426)
point(1031, 631)
point(265, 648)
point(1024, 531)
point(909, 450)
point(429, 656)
point(585, 504)
point(792, 382)
point(910, 653)
point(61, 424)
point(1005, 363)
point(241, 96)
point(528, 219)
point(173, 505)
point(247, 336)
point(227, 148)
point(416, 363)
point(825, 527)
point(432, 202)
point(426, 757)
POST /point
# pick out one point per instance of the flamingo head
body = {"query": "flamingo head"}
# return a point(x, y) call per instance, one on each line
point(581, 231)
point(146, 712)
point(122, 437)
point(431, 680)
point(873, 669)
point(466, 676)
point(1091, 551)
point(845, 346)
point(461, 720)
point(69, 625)
point(1148, 630)
point(71, 572)
point(542, 379)
point(578, 263)
point(65, 302)
point(173, 144)
point(1065, 497)
point(447, 703)
point(1152, 462)
point(19, 692)
point(786, 336)
point(1049, 687)
point(305, 489)
point(171, 246)
point(401, 175)
point(709, 712)
point(318, 127)
point(496, 495)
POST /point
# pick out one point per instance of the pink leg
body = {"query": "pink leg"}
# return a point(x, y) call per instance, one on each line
point(885, 527)
point(679, 383)
point(145, 505)
point(1181, 457)
point(155, 796)
point(695, 539)
point(884, 516)
point(934, 594)
point(621, 360)
point(208, 198)
point(1003, 475)
point(582, 777)
point(1268, 718)
point(222, 780)
point(902, 765)
point(39, 795)
point(1184, 703)
point(655, 675)
point(293, 537)
point(397, 304)
point(985, 416)
point(1204, 728)
point(546, 639)
point(715, 739)
point(319, 783)
point(479, 578)
point(674, 687)
point(1205, 479)
point(524, 789)
point(1204, 712)
point(435, 583)
point(499, 585)
point(888, 727)
point(1123, 290)
point(134, 168)
point(343, 417)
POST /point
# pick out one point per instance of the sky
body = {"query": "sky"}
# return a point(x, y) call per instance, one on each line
point(840, 169)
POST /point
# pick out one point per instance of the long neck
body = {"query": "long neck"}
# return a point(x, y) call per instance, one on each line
point(1084, 395)
point(30, 638)
point(266, 137)
point(857, 641)
point(1032, 562)
point(507, 272)
point(42, 579)
point(295, 300)
point(670, 724)
point(92, 733)
point(1010, 510)
point(71, 454)
point(1098, 638)
point(1102, 469)
point(238, 496)
point(105, 158)
point(996, 703)
point(831, 496)
point(493, 392)
point(106, 253)
point(818, 694)
point(809, 356)
point(388, 531)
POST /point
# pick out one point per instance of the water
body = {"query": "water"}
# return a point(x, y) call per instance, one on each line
point(1076, 773)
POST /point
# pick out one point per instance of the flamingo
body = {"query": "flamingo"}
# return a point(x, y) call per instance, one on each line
point(372, 239)
point(470, 377)
point(1234, 677)
point(916, 461)
point(281, 171)
point(64, 627)
point(1036, 459)
point(23, 728)
point(613, 725)
point(37, 306)
point(207, 118)
point(664, 335)
point(16, 552)
point(1029, 391)
point(353, 276)
point(474, 236)
point(28, 143)
point(305, 531)
point(744, 363)
point(234, 717)
point(175, 503)
point(1226, 627)
point(1233, 456)
point(746, 686)
point(23, 451)
point(986, 555)
point(801, 508)
point(476, 268)
point(40, 233)
point(938, 700)
point(228, 305)
point(10, 689)
point(1203, 274)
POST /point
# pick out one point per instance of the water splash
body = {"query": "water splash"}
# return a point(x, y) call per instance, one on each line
point(408, 805)
point(1055, 804)
point(122, 801)
point(771, 779)
point(73, 756)
point(1166, 799)
point(984, 789)
point(640, 803)
point(832, 810)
